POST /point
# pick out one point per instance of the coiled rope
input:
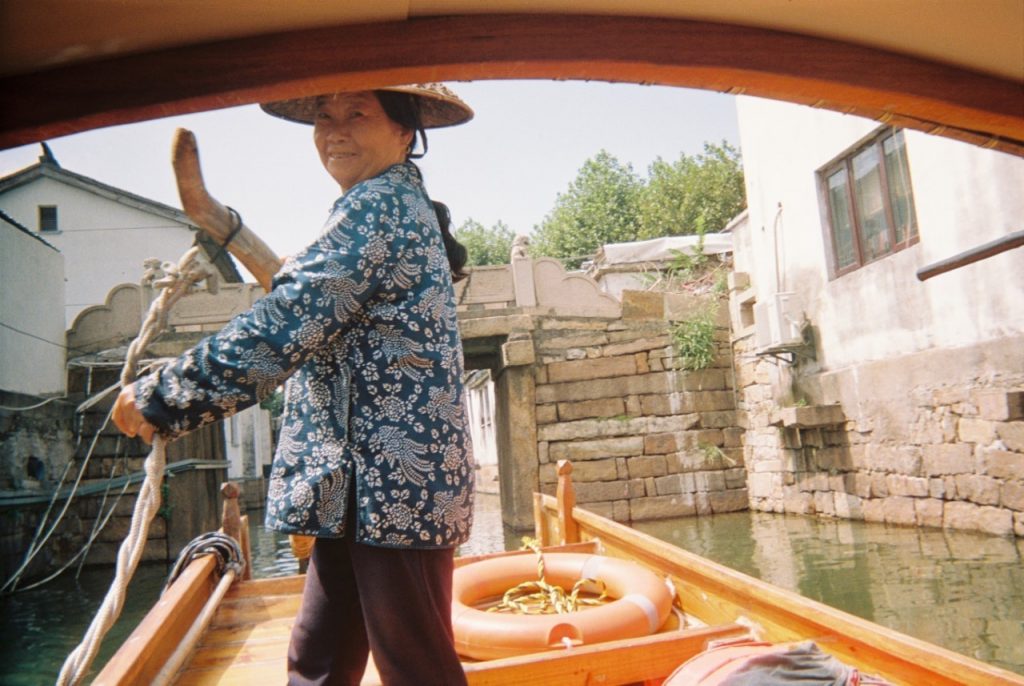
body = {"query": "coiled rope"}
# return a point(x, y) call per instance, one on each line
point(176, 282)
point(541, 598)
point(223, 547)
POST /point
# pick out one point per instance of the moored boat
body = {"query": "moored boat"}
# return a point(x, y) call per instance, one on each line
point(202, 633)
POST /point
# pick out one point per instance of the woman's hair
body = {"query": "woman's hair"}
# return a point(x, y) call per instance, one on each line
point(404, 110)
point(457, 254)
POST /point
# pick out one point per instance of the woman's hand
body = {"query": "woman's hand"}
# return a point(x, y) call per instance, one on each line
point(129, 419)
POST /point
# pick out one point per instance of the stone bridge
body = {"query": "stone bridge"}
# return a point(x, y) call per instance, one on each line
point(577, 374)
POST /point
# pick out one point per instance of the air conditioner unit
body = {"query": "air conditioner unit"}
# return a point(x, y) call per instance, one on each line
point(778, 322)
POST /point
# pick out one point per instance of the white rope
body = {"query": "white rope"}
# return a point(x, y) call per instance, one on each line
point(177, 281)
point(24, 408)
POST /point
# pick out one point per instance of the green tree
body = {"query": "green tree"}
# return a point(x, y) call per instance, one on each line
point(599, 207)
point(692, 195)
point(485, 246)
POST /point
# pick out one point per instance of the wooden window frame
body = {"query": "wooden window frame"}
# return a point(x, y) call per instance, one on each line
point(844, 162)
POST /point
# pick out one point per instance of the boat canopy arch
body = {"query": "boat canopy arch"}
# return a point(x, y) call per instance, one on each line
point(946, 67)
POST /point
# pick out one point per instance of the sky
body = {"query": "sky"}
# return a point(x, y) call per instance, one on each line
point(523, 147)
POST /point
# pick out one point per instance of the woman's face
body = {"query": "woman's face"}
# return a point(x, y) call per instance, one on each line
point(355, 138)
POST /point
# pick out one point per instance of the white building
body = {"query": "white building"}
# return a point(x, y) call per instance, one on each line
point(855, 282)
point(31, 313)
point(68, 242)
point(480, 413)
point(104, 233)
point(923, 380)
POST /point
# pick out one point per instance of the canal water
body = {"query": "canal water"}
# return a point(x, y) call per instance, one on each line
point(959, 590)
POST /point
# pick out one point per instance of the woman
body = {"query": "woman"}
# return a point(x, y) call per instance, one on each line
point(374, 457)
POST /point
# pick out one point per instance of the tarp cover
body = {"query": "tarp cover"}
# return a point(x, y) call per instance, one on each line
point(762, 664)
point(661, 249)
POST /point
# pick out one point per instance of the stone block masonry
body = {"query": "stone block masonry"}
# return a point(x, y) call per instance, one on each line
point(930, 438)
point(37, 446)
point(915, 441)
point(648, 439)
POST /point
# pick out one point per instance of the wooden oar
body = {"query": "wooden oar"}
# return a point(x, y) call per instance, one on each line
point(220, 223)
point(215, 218)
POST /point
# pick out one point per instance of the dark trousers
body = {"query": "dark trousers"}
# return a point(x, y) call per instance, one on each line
point(361, 598)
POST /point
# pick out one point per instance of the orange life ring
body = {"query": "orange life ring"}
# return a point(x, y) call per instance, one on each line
point(643, 603)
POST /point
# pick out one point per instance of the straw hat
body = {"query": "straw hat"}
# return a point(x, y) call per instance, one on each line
point(439, 106)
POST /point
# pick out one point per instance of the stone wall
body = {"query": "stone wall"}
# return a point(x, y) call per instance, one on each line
point(35, 444)
point(647, 438)
point(190, 506)
point(930, 439)
point(38, 447)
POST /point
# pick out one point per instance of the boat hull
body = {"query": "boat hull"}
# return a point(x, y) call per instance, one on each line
point(247, 639)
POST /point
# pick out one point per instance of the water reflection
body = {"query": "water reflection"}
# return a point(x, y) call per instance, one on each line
point(272, 553)
point(40, 627)
point(960, 590)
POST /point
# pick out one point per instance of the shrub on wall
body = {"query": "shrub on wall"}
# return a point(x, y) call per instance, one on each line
point(694, 339)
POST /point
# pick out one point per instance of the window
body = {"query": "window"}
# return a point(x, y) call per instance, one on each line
point(870, 203)
point(48, 218)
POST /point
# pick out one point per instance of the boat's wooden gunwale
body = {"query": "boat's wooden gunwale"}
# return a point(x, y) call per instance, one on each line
point(614, 662)
point(718, 594)
point(144, 653)
point(152, 650)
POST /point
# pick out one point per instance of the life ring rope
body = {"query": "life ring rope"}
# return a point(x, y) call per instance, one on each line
point(542, 598)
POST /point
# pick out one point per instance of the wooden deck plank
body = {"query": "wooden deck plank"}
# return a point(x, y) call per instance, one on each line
point(615, 662)
point(247, 652)
point(285, 585)
point(269, 671)
point(583, 547)
point(247, 611)
point(263, 631)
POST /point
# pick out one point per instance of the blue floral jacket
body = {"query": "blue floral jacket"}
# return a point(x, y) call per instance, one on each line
point(362, 325)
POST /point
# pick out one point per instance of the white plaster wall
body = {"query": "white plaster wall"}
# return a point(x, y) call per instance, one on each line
point(248, 432)
point(31, 299)
point(104, 242)
point(480, 411)
point(964, 196)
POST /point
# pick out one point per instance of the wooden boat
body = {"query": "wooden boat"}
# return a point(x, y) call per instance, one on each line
point(955, 73)
point(241, 633)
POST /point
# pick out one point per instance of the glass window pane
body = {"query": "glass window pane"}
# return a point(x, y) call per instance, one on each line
point(842, 227)
point(867, 191)
point(901, 196)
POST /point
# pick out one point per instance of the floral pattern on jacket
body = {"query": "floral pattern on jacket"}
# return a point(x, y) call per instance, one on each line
point(362, 325)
